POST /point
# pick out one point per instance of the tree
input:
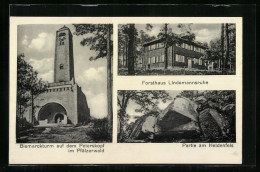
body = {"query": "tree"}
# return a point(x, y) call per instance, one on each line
point(146, 100)
point(130, 43)
point(223, 49)
point(166, 45)
point(23, 73)
point(28, 86)
point(36, 87)
point(215, 51)
point(123, 44)
point(222, 46)
point(131, 49)
point(141, 39)
point(232, 46)
point(99, 40)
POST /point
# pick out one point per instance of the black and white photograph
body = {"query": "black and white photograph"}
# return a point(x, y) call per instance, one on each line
point(176, 116)
point(177, 49)
point(64, 83)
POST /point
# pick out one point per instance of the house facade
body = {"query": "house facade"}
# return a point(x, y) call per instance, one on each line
point(182, 54)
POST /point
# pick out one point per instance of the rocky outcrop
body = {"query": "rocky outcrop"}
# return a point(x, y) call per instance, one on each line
point(180, 119)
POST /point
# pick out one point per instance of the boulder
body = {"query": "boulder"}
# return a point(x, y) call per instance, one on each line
point(179, 120)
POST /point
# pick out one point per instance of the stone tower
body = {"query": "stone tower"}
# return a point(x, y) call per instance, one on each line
point(63, 102)
point(63, 67)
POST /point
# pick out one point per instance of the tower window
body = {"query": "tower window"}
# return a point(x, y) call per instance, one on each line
point(62, 37)
point(61, 66)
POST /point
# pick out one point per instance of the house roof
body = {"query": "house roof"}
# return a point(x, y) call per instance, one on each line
point(176, 37)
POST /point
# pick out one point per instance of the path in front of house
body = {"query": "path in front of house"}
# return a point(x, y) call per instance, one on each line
point(56, 135)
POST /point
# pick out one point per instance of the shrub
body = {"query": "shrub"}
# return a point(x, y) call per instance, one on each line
point(22, 124)
point(100, 131)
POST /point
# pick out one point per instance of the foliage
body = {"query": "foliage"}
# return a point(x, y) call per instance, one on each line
point(100, 131)
point(215, 47)
point(28, 86)
point(139, 39)
point(99, 39)
point(22, 124)
point(146, 99)
point(170, 37)
point(96, 38)
point(143, 98)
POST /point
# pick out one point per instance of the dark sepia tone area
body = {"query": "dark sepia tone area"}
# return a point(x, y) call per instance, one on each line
point(177, 49)
point(151, 116)
point(61, 73)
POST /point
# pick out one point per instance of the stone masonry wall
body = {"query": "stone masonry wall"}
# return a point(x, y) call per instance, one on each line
point(63, 95)
point(83, 109)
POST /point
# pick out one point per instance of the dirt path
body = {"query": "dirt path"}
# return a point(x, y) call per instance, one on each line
point(56, 135)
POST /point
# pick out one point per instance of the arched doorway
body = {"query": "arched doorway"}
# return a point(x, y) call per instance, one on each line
point(58, 118)
point(52, 113)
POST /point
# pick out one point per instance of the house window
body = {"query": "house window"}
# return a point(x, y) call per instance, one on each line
point(149, 60)
point(200, 61)
point(162, 58)
point(61, 66)
point(62, 37)
point(180, 58)
point(161, 44)
point(188, 47)
point(153, 60)
point(196, 61)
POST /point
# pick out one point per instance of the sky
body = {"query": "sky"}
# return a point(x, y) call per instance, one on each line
point(37, 42)
point(130, 110)
point(203, 32)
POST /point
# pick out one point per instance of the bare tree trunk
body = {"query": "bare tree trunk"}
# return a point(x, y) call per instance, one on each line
point(32, 120)
point(165, 46)
point(222, 45)
point(109, 84)
point(126, 51)
point(131, 58)
point(20, 112)
point(227, 38)
point(123, 63)
point(121, 131)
